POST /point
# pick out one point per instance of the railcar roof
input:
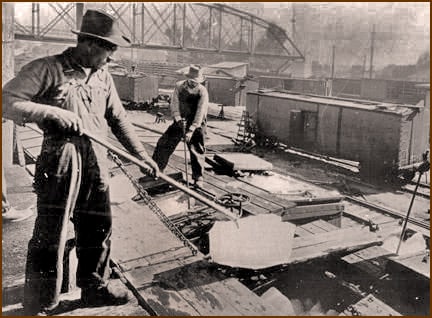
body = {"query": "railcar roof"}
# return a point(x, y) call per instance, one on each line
point(402, 109)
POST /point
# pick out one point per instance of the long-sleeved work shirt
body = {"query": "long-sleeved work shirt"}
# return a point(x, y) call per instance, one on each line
point(59, 81)
point(190, 101)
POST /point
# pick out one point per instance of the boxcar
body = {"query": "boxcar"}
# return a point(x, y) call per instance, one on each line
point(136, 87)
point(229, 91)
point(387, 140)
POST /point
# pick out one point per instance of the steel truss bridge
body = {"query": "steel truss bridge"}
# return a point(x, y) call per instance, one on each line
point(187, 27)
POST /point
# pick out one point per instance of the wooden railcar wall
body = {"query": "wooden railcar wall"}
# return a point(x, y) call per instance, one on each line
point(137, 89)
point(351, 133)
point(274, 115)
point(223, 90)
point(327, 136)
point(370, 137)
point(373, 89)
point(271, 82)
point(316, 87)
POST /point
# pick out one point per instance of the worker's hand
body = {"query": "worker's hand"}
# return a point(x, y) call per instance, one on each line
point(65, 120)
point(424, 167)
point(178, 121)
point(154, 168)
point(188, 136)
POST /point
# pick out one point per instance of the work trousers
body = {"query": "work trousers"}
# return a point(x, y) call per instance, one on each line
point(68, 185)
point(168, 142)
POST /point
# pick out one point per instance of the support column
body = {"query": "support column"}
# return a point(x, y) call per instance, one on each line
point(7, 74)
point(79, 14)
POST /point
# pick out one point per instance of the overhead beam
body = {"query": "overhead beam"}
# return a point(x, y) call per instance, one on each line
point(227, 27)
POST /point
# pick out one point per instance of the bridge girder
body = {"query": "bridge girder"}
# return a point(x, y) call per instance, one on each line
point(195, 27)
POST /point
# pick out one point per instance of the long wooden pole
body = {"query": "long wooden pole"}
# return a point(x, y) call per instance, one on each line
point(171, 181)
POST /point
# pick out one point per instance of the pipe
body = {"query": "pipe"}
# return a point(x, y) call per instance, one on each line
point(164, 177)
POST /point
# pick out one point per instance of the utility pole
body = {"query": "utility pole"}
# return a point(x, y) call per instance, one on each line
point(79, 14)
point(372, 51)
point(333, 61)
point(364, 66)
point(329, 82)
point(293, 22)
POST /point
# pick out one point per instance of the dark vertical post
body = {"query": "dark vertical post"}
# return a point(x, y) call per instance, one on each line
point(79, 10)
point(33, 19)
point(37, 18)
point(364, 67)
point(210, 27)
point(184, 26)
point(134, 22)
point(293, 22)
point(252, 42)
point(372, 51)
point(220, 32)
point(142, 23)
point(333, 61)
point(174, 33)
point(241, 32)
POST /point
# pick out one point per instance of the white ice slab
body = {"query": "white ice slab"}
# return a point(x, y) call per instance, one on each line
point(260, 241)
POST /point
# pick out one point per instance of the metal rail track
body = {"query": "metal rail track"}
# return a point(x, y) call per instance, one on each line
point(391, 212)
point(421, 193)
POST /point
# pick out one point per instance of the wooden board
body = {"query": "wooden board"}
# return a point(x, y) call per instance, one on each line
point(31, 140)
point(138, 232)
point(199, 288)
point(418, 262)
point(243, 162)
point(309, 211)
point(325, 243)
point(370, 306)
point(371, 260)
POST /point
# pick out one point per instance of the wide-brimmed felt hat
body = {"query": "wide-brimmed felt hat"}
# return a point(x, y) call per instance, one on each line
point(101, 25)
point(196, 73)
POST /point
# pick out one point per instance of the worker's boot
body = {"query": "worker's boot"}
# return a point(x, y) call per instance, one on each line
point(199, 183)
point(13, 215)
point(112, 294)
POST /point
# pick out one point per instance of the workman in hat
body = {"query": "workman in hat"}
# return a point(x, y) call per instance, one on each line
point(189, 110)
point(65, 94)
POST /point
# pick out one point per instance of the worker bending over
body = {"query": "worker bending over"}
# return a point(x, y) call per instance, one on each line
point(189, 109)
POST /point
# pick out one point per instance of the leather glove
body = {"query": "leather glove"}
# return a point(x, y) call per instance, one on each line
point(154, 168)
point(188, 136)
point(65, 119)
point(179, 122)
point(424, 167)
